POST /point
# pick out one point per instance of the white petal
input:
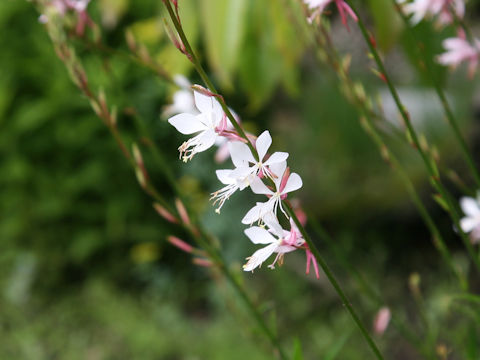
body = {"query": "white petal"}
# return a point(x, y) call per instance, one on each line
point(208, 104)
point(240, 153)
point(259, 257)
point(468, 224)
point(224, 176)
point(207, 140)
point(253, 214)
point(263, 144)
point(469, 206)
point(294, 182)
point(259, 235)
point(274, 226)
point(278, 169)
point(276, 158)
point(285, 249)
point(258, 187)
point(186, 123)
point(242, 172)
point(203, 103)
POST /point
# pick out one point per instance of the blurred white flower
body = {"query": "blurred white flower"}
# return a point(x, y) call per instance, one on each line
point(459, 50)
point(420, 9)
point(183, 100)
point(471, 222)
point(318, 7)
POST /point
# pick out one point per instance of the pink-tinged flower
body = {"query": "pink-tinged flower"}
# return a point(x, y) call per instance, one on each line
point(459, 50)
point(318, 7)
point(284, 183)
point(471, 222)
point(420, 9)
point(277, 240)
point(381, 321)
point(207, 125)
point(77, 6)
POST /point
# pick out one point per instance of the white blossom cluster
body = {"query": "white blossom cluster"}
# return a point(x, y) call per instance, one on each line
point(201, 115)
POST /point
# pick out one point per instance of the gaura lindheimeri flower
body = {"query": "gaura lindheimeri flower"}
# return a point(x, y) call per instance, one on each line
point(471, 222)
point(243, 175)
point(277, 240)
point(458, 51)
point(242, 157)
point(284, 183)
point(232, 185)
point(208, 125)
point(318, 6)
point(420, 9)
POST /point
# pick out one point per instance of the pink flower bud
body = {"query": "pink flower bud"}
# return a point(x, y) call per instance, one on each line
point(182, 212)
point(202, 262)
point(381, 321)
point(182, 245)
point(164, 213)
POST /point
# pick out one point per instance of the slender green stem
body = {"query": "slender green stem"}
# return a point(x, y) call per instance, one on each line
point(367, 288)
point(367, 123)
point(411, 133)
point(313, 248)
point(198, 66)
point(444, 102)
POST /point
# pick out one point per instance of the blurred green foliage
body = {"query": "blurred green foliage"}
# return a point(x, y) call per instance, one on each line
point(85, 271)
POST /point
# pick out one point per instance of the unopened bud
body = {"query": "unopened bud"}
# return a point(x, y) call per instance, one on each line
point(202, 262)
point(131, 42)
point(200, 89)
point(381, 321)
point(140, 171)
point(423, 142)
point(182, 212)
point(182, 245)
point(165, 213)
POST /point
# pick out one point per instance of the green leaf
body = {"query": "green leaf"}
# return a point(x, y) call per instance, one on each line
point(297, 350)
point(223, 30)
point(338, 346)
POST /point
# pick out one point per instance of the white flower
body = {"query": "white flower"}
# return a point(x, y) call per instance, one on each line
point(459, 50)
point(420, 9)
point(205, 124)
point(232, 185)
point(244, 174)
point(277, 240)
point(242, 157)
point(284, 183)
point(471, 222)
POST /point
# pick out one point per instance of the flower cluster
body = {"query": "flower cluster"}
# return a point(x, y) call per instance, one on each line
point(254, 168)
point(444, 10)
